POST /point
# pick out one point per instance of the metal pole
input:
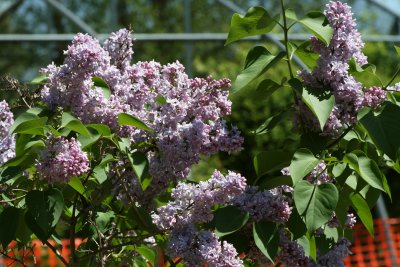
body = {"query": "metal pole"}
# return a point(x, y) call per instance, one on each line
point(72, 17)
point(188, 43)
point(383, 214)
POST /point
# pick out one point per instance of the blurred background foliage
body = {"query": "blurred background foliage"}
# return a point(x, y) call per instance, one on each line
point(22, 60)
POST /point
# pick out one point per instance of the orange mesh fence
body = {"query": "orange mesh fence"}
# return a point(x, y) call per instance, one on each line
point(367, 251)
point(40, 255)
point(376, 251)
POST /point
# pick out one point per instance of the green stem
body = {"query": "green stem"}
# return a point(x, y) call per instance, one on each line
point(285, 32)
point(394, 77)
point(340, 137)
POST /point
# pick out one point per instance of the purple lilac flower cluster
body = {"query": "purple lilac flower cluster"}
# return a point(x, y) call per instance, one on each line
point(292, 253)
point(335, 256)
point(7, 142)
point(185, 114)
point(192, 203)
point(332, 71)
point(271, 205)
point(62, 159)
point(349, 223)
point(374, 97)
point(200, 248)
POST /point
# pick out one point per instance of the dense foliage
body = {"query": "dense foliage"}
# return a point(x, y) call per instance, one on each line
point(104, 154)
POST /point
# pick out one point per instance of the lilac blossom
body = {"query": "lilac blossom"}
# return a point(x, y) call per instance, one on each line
point(7, 141)
point(61, 159)
point(332, 72)
point(270, 205)
point(185, 114)
point(291, 253)
point(200, 248)
point(349, 222)
point(192, 203)
point(336, 255)
point(374, 97)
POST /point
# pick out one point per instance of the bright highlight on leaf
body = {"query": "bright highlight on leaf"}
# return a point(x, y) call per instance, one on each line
point(129, 120)
point(256, 21)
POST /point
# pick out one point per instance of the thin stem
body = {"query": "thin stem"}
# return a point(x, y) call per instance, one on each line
point(340, 137)
point(394, 77)
point(72, 232)
point(285, 32)
point(56, 252)
point(11, 200)
point(14, 259)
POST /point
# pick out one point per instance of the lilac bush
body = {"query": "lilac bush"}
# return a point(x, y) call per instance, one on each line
point(106, 155)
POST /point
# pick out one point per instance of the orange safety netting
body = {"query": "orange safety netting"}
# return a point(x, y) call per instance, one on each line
point(376, 252)
point(367, 251)
point(40, 255)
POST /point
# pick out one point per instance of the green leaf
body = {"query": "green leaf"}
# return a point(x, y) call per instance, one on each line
point(266, 238)
point(102, 84)
point(229, 219)
point(104, 219)
point(161, 100)
point(271, 122)
point(258, 61)
point(363, 211)
point(44, 211)
point(305, 54)
point(397, 49)
point(269, 161)
point(255, 22)
point(70, 122)
point(370, 172)
point(317, 23)
point(41, 79)
point(9, 220)
point(303, 162)
point(140, 165)
point(77, 185)
point(320, 102)
point(268, 87)
point(384, 129)
point(28, 123)
point(315, 203)
point(305, 243)
point(127, 119)
point(101, 129)
point(147, 252)
point(296, 225)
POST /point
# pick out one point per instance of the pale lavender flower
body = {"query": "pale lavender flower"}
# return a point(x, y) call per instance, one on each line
point(291, 253)
point(7, 141)
point(199, 248)
point(119, 47)
point(270, 205)
point(335, 256)
point(332, 72)
point(374, 97)
point(185, 114)
point(61, 160)
point(192, 203)
point(351, 220)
